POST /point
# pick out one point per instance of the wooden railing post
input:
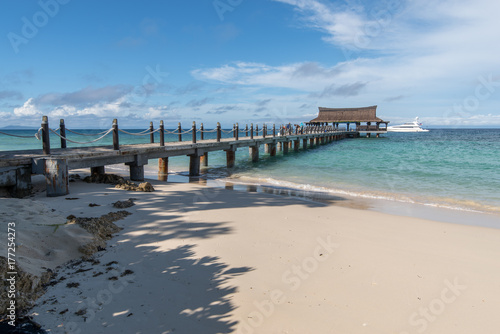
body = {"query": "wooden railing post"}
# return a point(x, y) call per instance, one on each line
point(116, 141)
point(237, 132)
point(62, 133)
point(234, 131)
point(274, 130)
point(162, 134)
point(264, 130)
point(257, 130)
point(45, 135)
point(218, 132)
point(151, 134)
point(179, 129)
point(194, 132)
point(246, 130)
point(202, 136)
point(251, 131)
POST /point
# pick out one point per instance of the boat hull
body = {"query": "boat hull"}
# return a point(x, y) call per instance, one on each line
point(406, 130)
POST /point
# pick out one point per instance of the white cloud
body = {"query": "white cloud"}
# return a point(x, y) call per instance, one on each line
point(428, 53)
point(27, 109)
point(307, 76)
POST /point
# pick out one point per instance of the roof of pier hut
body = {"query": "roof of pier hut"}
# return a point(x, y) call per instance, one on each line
point(347, 115)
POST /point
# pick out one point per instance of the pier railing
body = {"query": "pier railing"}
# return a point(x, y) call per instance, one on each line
point(16, 167)
point(237, 133)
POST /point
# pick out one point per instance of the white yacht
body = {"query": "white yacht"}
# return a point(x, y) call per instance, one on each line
point(414, 126)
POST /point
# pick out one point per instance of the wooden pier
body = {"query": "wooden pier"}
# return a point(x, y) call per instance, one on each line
point(16, 167)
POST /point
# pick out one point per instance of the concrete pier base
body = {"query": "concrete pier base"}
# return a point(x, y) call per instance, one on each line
point(230, 158)
point(286, 146)
point(136, 171)
point(272, 150)
point(97, 170)
point(17, 180)
point(163, 169)
point(254, 153)
point(204, 159)
point(56, 177)
point(194, 165)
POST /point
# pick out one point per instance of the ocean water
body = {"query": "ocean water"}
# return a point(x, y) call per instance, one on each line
point(450, 168)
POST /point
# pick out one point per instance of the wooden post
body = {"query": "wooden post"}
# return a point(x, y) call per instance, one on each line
point(56, 177)
point(264, 130)
point(304, 143)
point(296, 144)
point(311, 142)
point(246, 130)
point(202, 134)
point(163, 169)
point(274, 130)
point(251, 131)
point(151, 134)
point(218, 132)
point(162, 134)
point(116, 140)
point(179, 130)
point(193, 129)
point(62, 132)
point(230, 158)
point(237, 132)
point(257, 130)
point(45, 135)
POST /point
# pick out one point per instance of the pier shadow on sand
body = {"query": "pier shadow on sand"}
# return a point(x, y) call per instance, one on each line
point(173, 289)
point(195, 294)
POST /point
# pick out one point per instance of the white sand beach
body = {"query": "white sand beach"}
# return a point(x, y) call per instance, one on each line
point(198, 259)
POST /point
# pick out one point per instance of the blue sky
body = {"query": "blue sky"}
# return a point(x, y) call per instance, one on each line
point(247, 61)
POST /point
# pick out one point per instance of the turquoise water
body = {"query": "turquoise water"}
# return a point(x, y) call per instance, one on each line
point(453, 168)
point(457, 169)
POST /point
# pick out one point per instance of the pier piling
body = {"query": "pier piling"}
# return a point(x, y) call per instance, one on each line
point(56, 177)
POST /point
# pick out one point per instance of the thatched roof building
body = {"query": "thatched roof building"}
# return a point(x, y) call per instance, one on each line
point(365, 115)
point(347, 115)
